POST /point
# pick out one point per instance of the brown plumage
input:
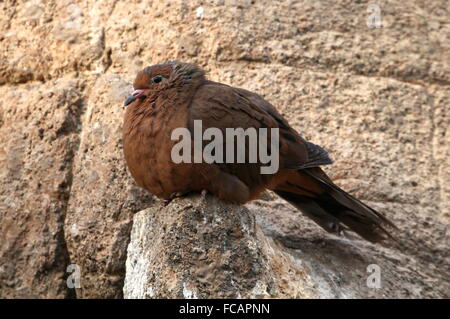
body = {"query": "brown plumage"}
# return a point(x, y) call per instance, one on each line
point(174, 94)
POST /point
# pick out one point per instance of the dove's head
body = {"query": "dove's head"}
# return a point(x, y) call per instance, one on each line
point(154, 79)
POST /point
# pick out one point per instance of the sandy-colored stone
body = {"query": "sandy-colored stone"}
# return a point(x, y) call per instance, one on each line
point(38, 136)
point(200, 247)
point(103, 196)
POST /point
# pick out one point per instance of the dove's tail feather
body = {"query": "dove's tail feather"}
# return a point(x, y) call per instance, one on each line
point(315, 195)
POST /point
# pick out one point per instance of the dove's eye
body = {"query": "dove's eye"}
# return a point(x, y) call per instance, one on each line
point(158, 79)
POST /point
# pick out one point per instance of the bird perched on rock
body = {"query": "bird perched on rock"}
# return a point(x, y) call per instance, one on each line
point(177, 95)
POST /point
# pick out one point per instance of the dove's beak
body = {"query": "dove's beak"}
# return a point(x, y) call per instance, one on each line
point(136, 94)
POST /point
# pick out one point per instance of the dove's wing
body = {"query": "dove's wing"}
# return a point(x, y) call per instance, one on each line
point(299, 180)
point(221, 106)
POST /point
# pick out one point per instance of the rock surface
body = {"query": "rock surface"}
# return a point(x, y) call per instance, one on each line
point(103, 197)
point(376, 98)
point(199, 247)
point(38, 138)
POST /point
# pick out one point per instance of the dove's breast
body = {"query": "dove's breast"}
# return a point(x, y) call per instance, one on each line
point(147, 149)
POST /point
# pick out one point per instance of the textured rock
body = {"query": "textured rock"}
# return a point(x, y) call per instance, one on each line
point(200, 247)
point(38, 137)
point(376, 98)
point(103, 197)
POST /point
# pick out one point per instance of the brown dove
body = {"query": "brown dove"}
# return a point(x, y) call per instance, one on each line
point(175, 94)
